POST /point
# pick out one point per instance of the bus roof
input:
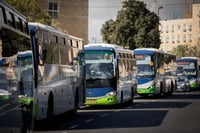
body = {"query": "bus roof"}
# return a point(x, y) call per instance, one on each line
point(115, 46)
point(34, 25)
point(24, 53)
point(188, 59)
point(148, 51)
point(104, 46)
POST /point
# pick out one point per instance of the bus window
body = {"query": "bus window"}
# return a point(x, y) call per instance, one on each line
point(1, 15)
point(18, 23)
point(9, 18)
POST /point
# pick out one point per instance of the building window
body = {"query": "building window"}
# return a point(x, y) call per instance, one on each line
point(167, 39)
point(184, 38)
point(166, 30)
point(172, 28)
point(178, 27)
point(184, 27)
point(53, 9)
point(190, 38)
point(178, 39)
point(190, 27)
point(172, 39)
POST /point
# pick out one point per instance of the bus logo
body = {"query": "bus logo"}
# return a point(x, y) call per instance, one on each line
point(90, 93)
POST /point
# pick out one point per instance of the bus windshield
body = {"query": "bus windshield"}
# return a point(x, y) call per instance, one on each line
point(99, 68)
point(145, 69)
point(187, 69)
point(145, 66)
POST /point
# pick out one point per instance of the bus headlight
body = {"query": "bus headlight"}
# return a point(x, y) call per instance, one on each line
point(193, 81)
point(112, 93)
point(157, 85)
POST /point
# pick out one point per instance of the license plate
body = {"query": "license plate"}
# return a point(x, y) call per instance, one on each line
point(91, 101)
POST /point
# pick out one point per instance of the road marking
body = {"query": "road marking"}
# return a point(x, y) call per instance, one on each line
point(74, 126)
point(118, 110)
point(103, 115)
point(137, 105)
point(88, 120)
point(129, 107)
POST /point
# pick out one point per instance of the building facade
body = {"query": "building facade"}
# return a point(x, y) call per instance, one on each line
point(71, 16)
point(181, 31)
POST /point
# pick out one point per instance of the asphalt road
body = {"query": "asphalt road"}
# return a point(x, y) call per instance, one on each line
point(179, 113)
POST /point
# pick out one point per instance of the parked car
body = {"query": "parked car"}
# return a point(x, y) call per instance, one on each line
point(182, 83)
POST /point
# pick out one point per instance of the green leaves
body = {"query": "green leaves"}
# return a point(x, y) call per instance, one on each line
point(31, 10)
point(135, 26)
point(185, 50)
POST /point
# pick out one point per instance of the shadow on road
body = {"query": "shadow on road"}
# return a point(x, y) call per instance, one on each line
point(144, 112)
point(121, 119)
point(186, 95)
point(161, 105)
point(177, 95)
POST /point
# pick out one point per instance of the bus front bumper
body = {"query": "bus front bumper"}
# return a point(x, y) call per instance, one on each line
point(150, 90)
point(108, 100)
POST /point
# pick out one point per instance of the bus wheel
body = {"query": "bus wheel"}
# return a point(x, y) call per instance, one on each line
point(161, 91)
point(76, 105)
point(50, 107)
point(119, 105)
point(171, 89)
point(132, 96)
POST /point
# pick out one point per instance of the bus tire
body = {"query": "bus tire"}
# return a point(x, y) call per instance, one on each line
point(119, 105)
point(132, 96)
point(50, 107)
point(121, 99)
point(161, 91)
point(171, 88)
point(76, 105)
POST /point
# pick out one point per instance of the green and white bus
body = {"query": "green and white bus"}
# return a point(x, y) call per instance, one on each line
point(16, 72)
point(110, 74)
point(58, 79)
point(155, 72)
point(189, 67)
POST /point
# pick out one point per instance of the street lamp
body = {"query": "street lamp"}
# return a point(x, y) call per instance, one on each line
point(160, 7)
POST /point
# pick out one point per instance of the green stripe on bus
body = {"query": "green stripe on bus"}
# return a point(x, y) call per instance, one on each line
point(4, 97)
point(25, 100)
point(193, 86)
point(36, 111)
point(108, 100)
point(146, 90)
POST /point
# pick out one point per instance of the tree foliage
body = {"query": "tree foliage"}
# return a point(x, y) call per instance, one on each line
point(31, 10)
point(134, 27)
point(185, 50)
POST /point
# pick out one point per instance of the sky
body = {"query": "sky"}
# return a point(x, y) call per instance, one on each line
point(101, 11)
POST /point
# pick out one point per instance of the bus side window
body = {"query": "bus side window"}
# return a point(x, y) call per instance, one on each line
point(44, 54)
point(1, 15)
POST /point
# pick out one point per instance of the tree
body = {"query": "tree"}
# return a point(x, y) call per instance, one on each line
point(31, 10)
point(134, 27)
point(185, 50)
